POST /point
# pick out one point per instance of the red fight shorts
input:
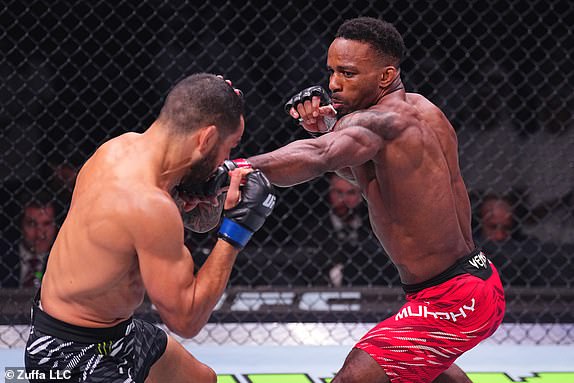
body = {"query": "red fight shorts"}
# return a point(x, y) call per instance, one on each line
point(442, 319)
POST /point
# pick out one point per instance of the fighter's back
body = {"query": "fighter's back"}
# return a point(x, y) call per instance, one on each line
point(418, 204)
point(93, 269)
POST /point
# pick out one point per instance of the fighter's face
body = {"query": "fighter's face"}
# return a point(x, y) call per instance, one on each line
point(496, 221)
point(344, 197)
point(38, 229)
point(203, 168)
point(355, 71)
point(215, 156)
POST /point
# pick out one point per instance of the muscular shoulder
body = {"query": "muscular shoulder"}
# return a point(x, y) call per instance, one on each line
point(425, 109)
point(431, 116)
point(384, 122)
point(155, 205)
point(145, 211)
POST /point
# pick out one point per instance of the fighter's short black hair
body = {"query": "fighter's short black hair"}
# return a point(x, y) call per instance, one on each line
point(381, 35)
point(202, 99)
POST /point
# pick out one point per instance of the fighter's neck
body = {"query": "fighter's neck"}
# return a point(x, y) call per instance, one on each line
point(170, 176)
point(169, 165)
point(396, 86)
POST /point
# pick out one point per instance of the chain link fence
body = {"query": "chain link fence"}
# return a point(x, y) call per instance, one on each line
point(75, 74)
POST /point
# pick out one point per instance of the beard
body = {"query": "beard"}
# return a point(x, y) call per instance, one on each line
point(345, 213)
point(205, 216)
point(202, 170)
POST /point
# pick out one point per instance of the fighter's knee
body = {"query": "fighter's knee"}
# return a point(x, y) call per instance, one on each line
point(208, 375)
point(347, 376)
point(360, 367)
point(342, 377)
point(453, 375)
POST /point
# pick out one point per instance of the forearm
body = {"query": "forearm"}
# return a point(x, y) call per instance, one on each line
point(209, 285)
point(295, 163)
point(245, 216)
point(304, 160)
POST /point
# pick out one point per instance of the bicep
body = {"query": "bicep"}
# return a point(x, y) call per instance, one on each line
point(165, 263)
point(350, 147)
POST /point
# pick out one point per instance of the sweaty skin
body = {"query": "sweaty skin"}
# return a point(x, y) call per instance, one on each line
point(124, 235)
point(399, 149)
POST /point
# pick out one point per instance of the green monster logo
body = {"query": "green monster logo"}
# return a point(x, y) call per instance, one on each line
point(476, 377)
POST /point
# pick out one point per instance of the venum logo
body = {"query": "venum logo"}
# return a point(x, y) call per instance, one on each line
point(479, 261)
point(424, 312)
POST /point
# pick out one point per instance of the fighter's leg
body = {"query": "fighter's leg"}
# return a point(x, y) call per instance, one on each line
point(360, 367)
point(453, 374)
point(178, 365)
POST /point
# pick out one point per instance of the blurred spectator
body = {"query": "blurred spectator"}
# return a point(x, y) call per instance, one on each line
point(498, 236)
point(520, 259)
point(344, 199)
point(25, 264)
point(345, 250)
point(497, 221)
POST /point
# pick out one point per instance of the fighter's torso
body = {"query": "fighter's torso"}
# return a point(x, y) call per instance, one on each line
point(417, 206)
point(93, 277)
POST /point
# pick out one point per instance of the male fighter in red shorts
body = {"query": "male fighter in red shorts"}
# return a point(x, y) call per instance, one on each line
point(402, 152)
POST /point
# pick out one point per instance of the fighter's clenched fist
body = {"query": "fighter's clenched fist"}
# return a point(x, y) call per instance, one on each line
point(313, 108)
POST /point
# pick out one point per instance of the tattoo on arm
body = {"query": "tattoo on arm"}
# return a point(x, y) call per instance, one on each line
point(204, 216)
point(381, 123)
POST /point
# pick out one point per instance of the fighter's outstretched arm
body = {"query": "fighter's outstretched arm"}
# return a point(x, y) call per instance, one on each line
point(303, 160)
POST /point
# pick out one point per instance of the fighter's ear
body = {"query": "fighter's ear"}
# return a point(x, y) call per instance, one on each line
point(388, 74)
point(207, 138)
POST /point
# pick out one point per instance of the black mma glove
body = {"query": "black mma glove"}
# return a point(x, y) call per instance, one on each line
point(308, 94)
point(256, 204)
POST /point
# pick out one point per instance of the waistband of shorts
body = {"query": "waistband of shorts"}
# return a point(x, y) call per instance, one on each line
point(62, 330)
point(468, 264)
